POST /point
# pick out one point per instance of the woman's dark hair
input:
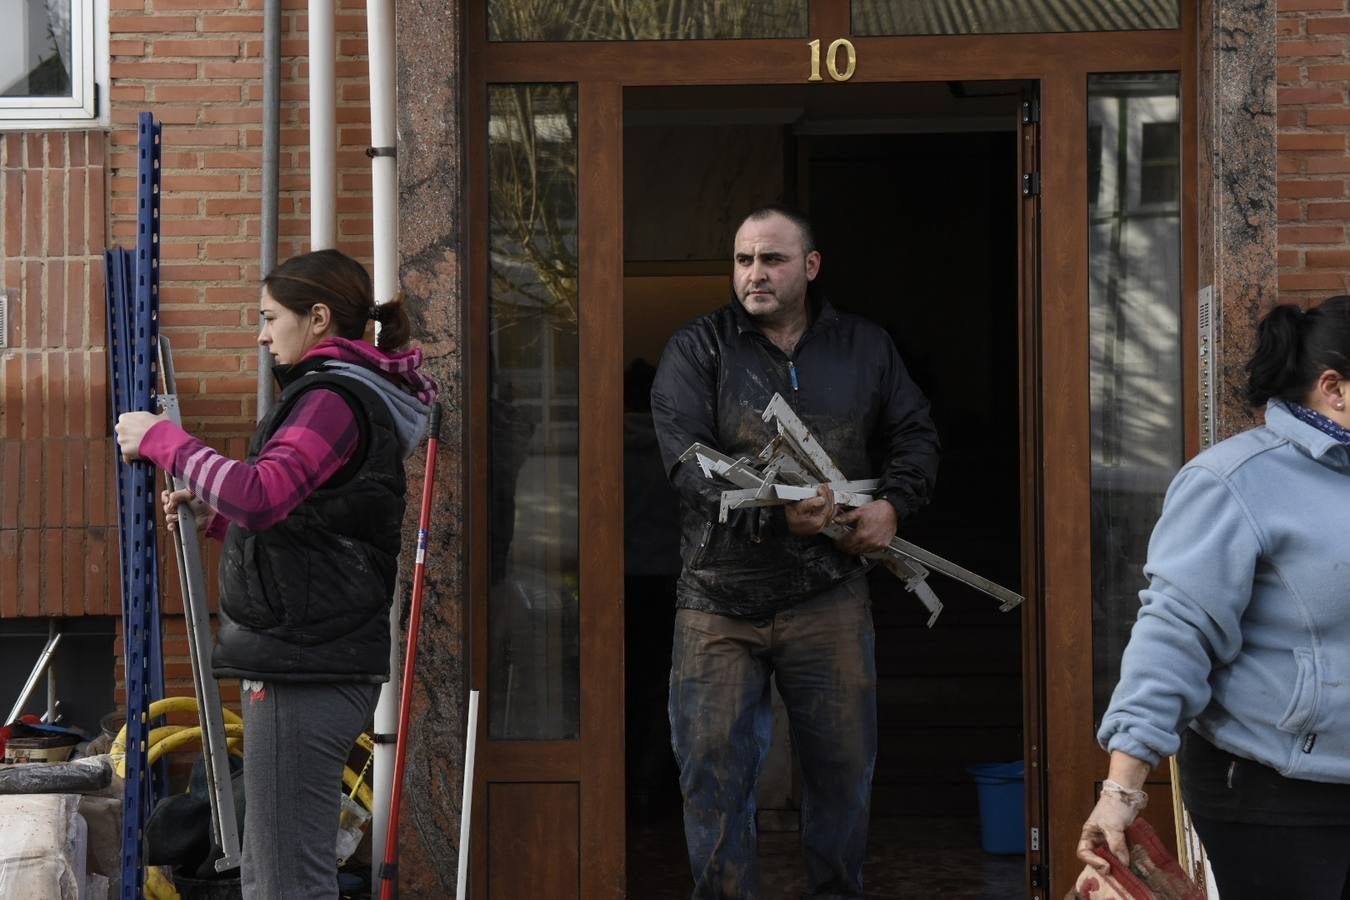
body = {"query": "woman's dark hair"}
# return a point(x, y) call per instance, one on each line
point(1294, 347)
point(334, 279)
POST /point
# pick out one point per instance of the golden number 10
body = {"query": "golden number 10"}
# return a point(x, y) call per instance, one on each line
point(832, 60)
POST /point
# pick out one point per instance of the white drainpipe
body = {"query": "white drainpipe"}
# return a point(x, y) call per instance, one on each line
point(322, 126)
point(384, 191)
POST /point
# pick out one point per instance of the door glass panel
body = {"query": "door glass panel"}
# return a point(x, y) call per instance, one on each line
point(887, 17)
point(533, 647)
point(1134, 214)
point(644, 20)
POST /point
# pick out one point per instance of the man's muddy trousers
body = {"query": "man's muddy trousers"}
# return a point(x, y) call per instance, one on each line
point(822, 655)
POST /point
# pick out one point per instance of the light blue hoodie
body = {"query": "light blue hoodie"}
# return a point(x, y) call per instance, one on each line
point(1244, 633)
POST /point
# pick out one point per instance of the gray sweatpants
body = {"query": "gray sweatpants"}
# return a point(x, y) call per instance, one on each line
point(296, 739)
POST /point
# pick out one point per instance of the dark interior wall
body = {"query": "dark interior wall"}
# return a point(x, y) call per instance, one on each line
point(83, 664)
point(918, 232)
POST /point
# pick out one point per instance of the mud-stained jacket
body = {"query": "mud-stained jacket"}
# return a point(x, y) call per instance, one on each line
point(847, 383)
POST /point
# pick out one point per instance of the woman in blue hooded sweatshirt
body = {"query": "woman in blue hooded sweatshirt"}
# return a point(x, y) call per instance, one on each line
point(1240, 656)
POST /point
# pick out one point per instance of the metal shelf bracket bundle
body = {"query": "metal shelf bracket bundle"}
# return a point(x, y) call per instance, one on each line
point(132, 289)
point(792, 466)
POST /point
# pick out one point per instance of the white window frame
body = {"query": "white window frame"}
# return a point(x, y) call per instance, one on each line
point(87, 104)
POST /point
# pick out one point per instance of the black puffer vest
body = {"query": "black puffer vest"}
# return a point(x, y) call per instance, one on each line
point(308, 599)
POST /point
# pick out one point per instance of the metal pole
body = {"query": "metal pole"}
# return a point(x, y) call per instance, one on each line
point(44, 659)
point(50, 718)
point(384, 203)
point(322, 126)
point(271, 164)
point(466, 808)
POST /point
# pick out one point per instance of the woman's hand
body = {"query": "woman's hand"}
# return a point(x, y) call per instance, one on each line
point(1121, 800)
point(1106, 825)
point(201, 510)
point(130, 430)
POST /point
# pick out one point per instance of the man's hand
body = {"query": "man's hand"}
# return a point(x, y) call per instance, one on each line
point(130, 430)
point(873, 527)
point(810, 516)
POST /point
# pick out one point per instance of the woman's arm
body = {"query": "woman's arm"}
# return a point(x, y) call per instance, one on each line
point(317, 438)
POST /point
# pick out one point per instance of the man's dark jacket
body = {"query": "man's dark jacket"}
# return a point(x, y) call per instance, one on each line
point(850, 389)
point(308, 599)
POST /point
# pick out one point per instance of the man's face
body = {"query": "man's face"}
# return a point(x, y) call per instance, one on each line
point(772, 270)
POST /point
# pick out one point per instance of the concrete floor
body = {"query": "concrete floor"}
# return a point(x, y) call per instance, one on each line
point(908, 858)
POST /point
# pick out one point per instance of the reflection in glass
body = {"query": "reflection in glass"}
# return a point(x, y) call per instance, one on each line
point(883, 17)
point(533, 648)
point(1134, 213)
point(35, 50)
point(644, 20)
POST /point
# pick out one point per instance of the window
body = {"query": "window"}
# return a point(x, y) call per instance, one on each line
point(53, 63)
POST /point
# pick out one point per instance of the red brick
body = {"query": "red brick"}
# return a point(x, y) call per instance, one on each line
point(50, 599)
point(197, 47)
point(129, 24)
point(32, 209)
point(1337, 116)
point(30, 494)
point(9, 573)
point(215, 69)
point(1312, 281)
point(78, 213)
point(202, 407)
point(30, 567)
point(225, 115)
point(209, 227)
point(1325, 234)
point(1295, 142)
point(74, 552)
point(126, 48)
point(231, 250)
point(199, 273)
point(1294, 5)
point(1289, 211)
point(148, 71)
point(1322, 211)
point(10, 413)
point(96, 574)
point(1291, 117)
point(199, 319)
point(1327, 165)
point(1320, 188)
point(1289, 26)
point(196, 93)
point(1287, 258)
point(34, 298)
point(1337, 72)
point(77, 400)
point(222, 24)
point(201, 137)
point(1309, 48)
point(1329, 25)
point(1328, 259)
point(231, 340)
point(11, 482)
point(13, 213)
point(206, 362)
point(1288, 95)
point(55, 303)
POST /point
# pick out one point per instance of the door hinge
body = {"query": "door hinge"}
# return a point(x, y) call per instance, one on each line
point(97, 100)
point(1038, 875)
point(1031, 111)
point(1035, 839)
point(1031, 184)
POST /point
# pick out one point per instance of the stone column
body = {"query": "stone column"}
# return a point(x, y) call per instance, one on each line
point(1236, 180)
point(431, 166)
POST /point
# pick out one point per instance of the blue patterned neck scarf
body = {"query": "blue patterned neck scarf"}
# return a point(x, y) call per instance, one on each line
point(1320, 422)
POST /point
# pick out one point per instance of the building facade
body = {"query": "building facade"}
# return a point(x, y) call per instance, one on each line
point(1086, 206)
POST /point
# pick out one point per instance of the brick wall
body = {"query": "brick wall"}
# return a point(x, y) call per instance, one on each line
point(197, 65)
point(1314, 165)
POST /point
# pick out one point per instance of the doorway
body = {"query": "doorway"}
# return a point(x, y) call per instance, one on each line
point(913, 189)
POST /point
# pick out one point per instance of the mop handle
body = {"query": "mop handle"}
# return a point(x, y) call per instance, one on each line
point(389, 870)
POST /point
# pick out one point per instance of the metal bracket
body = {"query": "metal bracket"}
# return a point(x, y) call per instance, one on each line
point(373, 152)
point(794, 465)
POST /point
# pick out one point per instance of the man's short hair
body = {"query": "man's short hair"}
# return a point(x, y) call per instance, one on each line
point(795, 216)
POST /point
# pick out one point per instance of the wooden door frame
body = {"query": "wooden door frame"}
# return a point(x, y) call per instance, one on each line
point(1056, 474)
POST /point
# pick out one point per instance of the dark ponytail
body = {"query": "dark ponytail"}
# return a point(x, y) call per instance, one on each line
point(1294, 347)
point(334, 279)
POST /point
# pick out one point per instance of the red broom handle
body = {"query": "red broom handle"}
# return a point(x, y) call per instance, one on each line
point(389, 871)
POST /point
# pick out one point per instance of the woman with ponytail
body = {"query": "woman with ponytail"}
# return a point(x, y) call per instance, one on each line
point(311, 522)
point(1240, 656)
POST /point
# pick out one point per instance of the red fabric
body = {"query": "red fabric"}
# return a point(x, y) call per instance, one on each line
point(1153, 873)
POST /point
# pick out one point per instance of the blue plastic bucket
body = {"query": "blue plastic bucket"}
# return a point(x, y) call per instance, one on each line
point(1002, 806)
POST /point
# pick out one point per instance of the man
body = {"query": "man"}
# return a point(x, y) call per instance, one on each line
point(766, 594)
